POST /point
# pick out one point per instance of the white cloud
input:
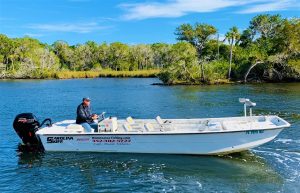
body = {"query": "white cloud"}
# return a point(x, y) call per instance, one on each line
point(174, 8)
point(178, 8)
point(69, 27)
point(271, 6)
point(33, 35)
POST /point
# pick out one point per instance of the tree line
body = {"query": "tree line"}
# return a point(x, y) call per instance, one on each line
point(29, 58)
point(268, 50)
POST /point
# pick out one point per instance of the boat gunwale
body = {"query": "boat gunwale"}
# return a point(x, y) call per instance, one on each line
point(286, 125)
point(159, 133)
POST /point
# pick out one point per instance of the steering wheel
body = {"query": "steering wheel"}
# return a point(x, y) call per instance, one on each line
point(101, 117)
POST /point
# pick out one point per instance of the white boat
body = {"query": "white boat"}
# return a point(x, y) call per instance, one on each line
point(209, 136)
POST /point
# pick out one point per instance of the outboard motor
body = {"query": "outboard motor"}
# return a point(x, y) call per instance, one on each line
point(25, 125)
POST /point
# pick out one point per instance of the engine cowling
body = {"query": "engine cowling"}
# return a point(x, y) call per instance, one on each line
point(25, 125)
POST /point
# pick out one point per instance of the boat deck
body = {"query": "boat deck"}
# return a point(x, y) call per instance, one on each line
point(174, 125)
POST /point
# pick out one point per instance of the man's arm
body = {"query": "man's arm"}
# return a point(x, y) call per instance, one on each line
point(92, 115)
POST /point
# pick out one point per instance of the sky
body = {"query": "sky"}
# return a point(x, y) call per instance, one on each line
point(129, 21)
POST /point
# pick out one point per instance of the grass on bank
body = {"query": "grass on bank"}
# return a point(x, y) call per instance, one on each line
point(211, 82)
point(106, 73)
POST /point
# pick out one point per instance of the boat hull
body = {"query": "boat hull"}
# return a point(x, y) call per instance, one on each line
point(214, 143)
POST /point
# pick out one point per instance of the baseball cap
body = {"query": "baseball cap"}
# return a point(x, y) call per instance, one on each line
point(86, 99)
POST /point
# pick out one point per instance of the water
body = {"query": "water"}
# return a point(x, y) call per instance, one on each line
point(273, 167)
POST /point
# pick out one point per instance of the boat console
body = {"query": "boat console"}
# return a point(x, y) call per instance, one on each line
point(108, 125)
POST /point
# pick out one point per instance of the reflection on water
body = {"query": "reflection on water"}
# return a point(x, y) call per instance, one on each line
point(149, 172)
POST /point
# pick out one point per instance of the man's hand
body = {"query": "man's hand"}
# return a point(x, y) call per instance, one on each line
point(94, 116)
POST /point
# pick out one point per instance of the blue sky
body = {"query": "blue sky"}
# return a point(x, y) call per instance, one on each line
point(128, 21)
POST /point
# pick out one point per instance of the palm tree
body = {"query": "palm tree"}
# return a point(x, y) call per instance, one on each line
point(232, 36)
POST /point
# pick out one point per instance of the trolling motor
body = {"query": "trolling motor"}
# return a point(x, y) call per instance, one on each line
point(25, 125)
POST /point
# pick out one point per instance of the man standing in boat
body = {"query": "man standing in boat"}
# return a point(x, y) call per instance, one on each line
point(85, 116)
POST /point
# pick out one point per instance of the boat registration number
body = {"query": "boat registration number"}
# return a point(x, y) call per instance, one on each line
point(255, 132)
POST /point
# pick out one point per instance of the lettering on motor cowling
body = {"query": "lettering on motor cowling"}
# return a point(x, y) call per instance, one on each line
point(255, 132)
point(58, 139)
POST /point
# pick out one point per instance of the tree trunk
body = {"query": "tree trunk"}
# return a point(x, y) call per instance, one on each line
point(202, 72)
point(249, 70)
point(218, 54)
point(230, 59)
point(201, 63)
point(7, 66)
point(279, 75)
point(12, 64)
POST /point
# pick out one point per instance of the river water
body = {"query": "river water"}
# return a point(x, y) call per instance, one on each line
point(273, 167)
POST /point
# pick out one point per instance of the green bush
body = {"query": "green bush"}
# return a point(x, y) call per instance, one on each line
point(216, 70)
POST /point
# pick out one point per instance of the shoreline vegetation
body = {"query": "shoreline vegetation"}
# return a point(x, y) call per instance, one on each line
point(97, 74)
point(106, 73)
point(267, 51)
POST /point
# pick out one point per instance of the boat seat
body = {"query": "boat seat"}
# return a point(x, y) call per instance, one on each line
point(75, 128)
point(127, 127)
point(149, 127)
point(159, 120)
point(214, 126)
point(262, 119)
point(205, 123)
point(164, 125)
point(130, 128)
point(224, 127)
point(130, 120)
point(135, 126)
